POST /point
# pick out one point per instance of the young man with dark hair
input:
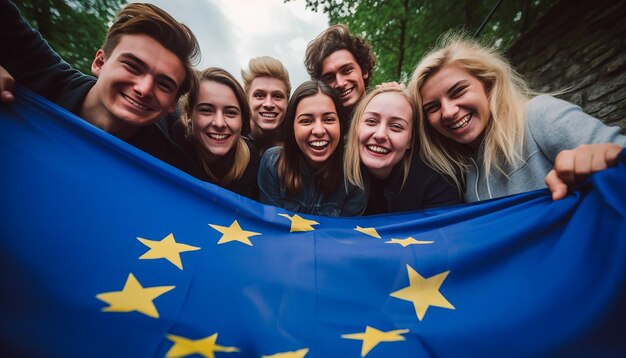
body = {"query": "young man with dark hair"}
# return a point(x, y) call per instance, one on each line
point(343, 61)
point(143, 67)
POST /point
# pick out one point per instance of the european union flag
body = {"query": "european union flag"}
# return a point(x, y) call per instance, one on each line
point(108, 252)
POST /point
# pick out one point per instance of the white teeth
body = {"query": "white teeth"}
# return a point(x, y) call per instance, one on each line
point(218, 136)
point(377, 149)
point(346, 92)
point(462, 123)
point(268, 115)
point(136, 104)
point(319, 144)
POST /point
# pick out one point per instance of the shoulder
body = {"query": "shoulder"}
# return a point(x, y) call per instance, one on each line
point(545, 110)
point(272, 154)
point(269, 159)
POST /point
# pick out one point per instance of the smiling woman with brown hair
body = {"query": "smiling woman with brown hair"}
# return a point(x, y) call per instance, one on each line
point(306, 174)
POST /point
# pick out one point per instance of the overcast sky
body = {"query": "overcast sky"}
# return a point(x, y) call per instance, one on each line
point(231, 32)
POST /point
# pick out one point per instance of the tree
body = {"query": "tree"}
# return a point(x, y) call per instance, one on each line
point(400, 31)
point(74, 28)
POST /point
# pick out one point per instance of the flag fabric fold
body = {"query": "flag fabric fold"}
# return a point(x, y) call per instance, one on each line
point(106, 251)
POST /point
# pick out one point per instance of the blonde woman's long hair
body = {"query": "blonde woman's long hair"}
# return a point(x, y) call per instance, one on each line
point(507, 94)
point(352, 158)
point(187, 105)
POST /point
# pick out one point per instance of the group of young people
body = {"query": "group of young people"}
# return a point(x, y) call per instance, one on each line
point(466, 128)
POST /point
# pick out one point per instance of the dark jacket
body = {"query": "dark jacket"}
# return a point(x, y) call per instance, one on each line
point(35, 65)
point(424, 188)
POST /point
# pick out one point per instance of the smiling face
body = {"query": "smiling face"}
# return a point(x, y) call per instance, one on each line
point(384, 132)
point(267, 99)
point(137, 84)
point(316, 128)
point(216, 120)
point(456, 105)
point(342, 72)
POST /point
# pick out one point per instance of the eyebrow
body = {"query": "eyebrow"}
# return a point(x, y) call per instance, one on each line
point(456, 86)
point(348, 64)
point(144, 66)
point(311, 115)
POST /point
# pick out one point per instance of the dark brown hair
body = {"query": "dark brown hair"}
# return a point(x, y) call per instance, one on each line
point(335, 38)
point(330, 175)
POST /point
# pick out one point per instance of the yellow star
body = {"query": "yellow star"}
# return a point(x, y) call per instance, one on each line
point(300, 353)
point(299, 224)
point(408, 241)
point(423, 292)
point(234, 233)
point(167, 249)
point(134, 297)
point(368, 231)
point(372, 337)
point(206, 346)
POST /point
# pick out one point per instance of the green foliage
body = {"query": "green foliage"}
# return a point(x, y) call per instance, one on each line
point(400, 31)
point(74, 28)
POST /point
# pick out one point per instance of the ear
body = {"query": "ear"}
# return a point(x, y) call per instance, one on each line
point(366, 75)
point(98, 62)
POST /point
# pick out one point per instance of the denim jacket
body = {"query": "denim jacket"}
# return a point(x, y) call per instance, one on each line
point(346, 200)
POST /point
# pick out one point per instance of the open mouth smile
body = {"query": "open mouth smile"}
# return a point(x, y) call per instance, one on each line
point(218, 137)
point(462, 123)
point(136, 104)
point(378, 149)
point(346, 92)
point(268, 115)
point(318, 144)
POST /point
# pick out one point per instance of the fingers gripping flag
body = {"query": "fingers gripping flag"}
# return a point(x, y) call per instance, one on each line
point(106, 251)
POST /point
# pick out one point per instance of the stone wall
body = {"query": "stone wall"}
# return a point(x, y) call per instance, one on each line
point(579, 46)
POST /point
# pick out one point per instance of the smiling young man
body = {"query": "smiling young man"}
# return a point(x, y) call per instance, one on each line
point(143, 67)
point(343, 61)
point(266, 82)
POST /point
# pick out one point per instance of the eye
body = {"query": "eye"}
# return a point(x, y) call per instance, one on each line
point(166, 86)
point(396, 127)
point(259, 95)
point(328, 78)
point(330, 119)
point(279, 97)
point(370, 121)
point(232, 112)
point(431, 108)
point(131, 67)
point(347, 71)
point(205, 109)
point(458, 92)
point(305, 121)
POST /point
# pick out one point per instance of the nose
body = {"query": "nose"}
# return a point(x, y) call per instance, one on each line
point(380, 134)
point(448, 109)
point(318, 129)
point(218, 120)
point(268, 103)
point(340, 82)
point(143, 86)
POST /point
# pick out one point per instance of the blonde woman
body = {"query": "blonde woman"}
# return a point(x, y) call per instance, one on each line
point(380, 156)
point(480, 125)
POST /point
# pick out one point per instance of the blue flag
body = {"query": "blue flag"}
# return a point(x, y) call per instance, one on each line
point(107, 252)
